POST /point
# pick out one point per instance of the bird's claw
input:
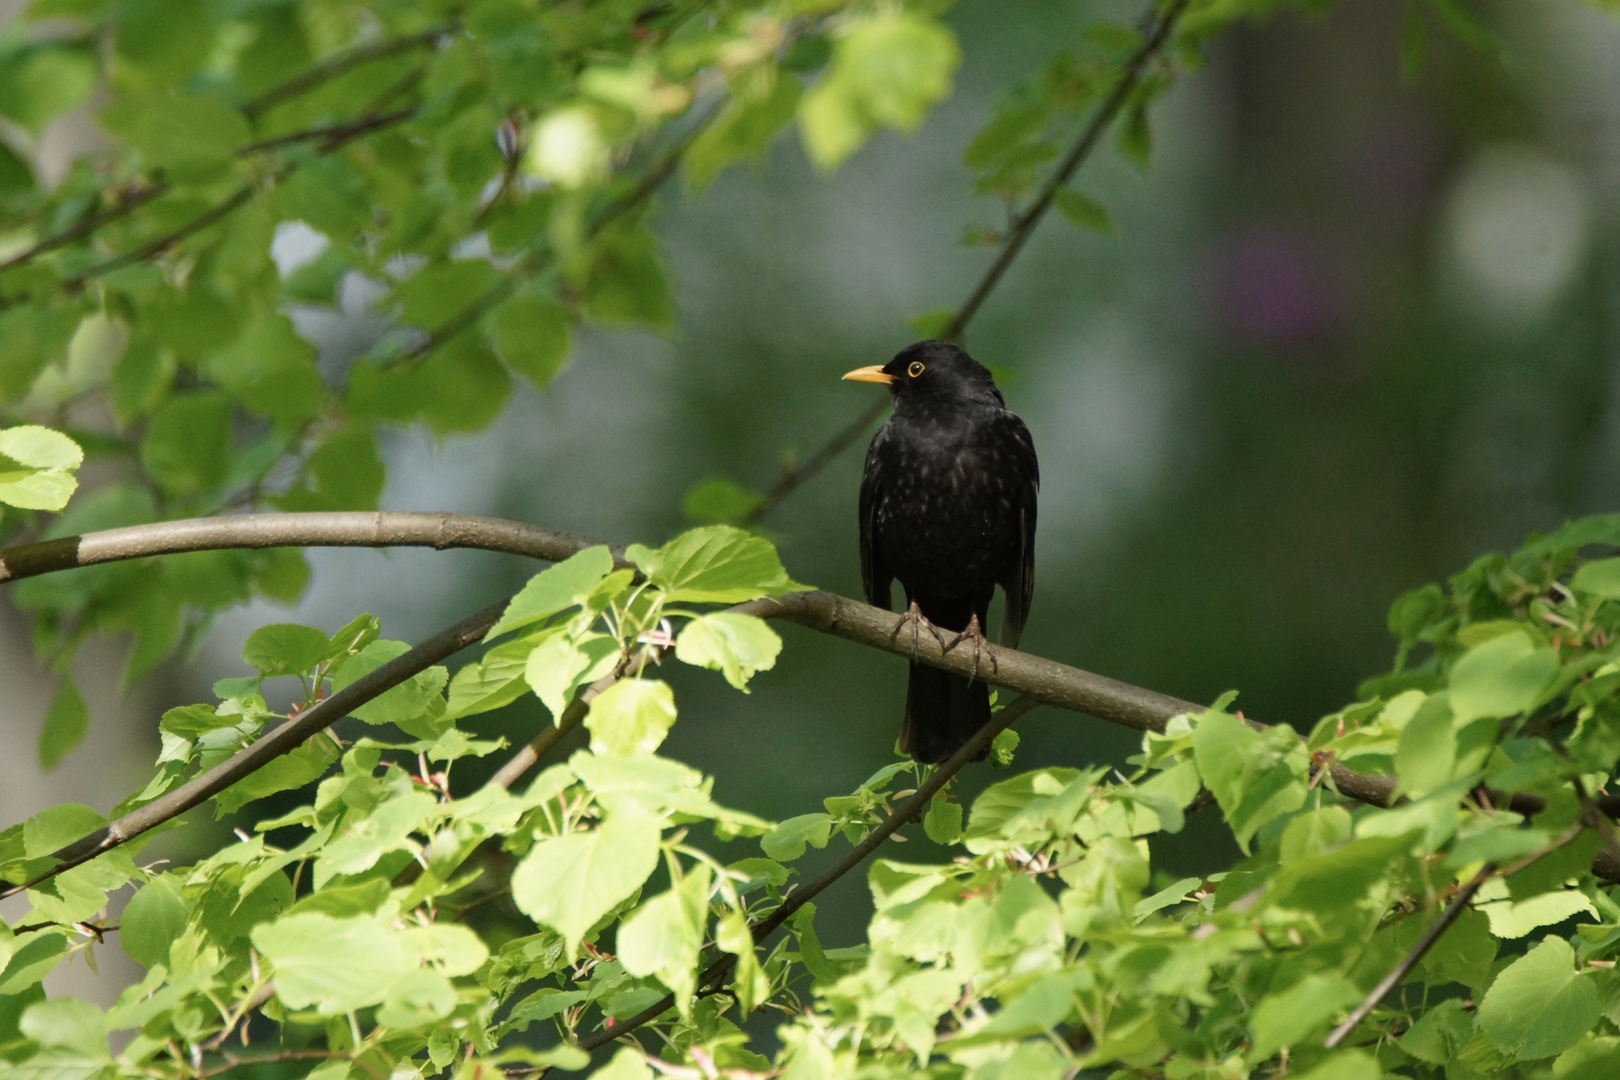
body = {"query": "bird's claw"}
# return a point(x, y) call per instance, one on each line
point(915, 619)
point(981, 644)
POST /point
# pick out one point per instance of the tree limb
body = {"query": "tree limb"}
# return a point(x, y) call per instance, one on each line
point(1042, 680)
point(1020, 233)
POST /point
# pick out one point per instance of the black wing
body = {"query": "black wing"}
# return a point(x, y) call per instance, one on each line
point(875, 576)
point(1020, 583)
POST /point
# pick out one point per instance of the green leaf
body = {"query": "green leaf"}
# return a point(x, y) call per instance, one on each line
point(332, 965)
point(1501, 677)
point(569, 882)
point(1350, 1064)
point(31, 961)
point(559, 663)
point(271, 371)
point(419, 999)
point(1600, 577)
point(663, 937)
point(344, 473)
point(554, 589)
point(1540, 1005)
point(742, 131)
point(284, 649)
point(1511, 919)
point(69, 1024)
point(627, 1064)
point(40, 448)
point(719, 500)
point(1002, 748)
point(735, 644)
point(631, 717)
point(188, 134)
point(439, 292)
point(943, 822)
point(1285, 1017)
point(57, 826)
point(1256, 777)
point(154, 917)
point(749, 982)
point(786, 841)
point(887, 69)
point(1427, 754)
point(531, 335)
point(42, 83)
point(47, 459)
point(1083, 211)
point(1594, 1058)
point(715, 564)
point(416, 706)
point(187, 446)
point(66, 721)
point(1439, 1033)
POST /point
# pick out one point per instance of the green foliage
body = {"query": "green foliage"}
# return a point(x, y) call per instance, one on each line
point(390, 923)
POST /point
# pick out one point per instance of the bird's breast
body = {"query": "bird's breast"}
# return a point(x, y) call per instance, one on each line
point(946, 516)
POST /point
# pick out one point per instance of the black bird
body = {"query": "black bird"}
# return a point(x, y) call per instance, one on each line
point(948, 508)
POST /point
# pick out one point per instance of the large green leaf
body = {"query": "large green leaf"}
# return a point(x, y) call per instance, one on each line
point(333, 965)
point(569, 882)
point(663, 936)
point(1540, 1005)
point(556, 589)
point(714, 564)
point(734, 644)
point(1255, 776)
point(631, 717)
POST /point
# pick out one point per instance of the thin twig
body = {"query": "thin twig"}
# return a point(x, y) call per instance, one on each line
point(282, 740)
point(1432, 934)
point(542, 744)
point(1023, 226)
point(163, 243)
point(479, 306)
point(905, 812)
point(338, 65)
point(328, 132)
point(125, 206)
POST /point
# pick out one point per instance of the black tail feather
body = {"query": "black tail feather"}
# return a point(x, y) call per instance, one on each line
point(943, 711)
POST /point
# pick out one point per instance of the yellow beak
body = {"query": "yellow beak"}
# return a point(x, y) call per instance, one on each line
point(875, 373)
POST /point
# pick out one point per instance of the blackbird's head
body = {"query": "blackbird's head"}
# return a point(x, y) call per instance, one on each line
point(933, 374)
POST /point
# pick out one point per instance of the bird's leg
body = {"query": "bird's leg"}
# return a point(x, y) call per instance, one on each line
point(981, 644)
point(915, 618)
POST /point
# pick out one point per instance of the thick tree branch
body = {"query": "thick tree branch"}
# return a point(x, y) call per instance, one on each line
point(1046, 680)
point(1023, 226)
point(1042, 680)
point(339, 529)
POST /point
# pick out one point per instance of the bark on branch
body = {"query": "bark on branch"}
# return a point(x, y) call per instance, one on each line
point(1041, 680)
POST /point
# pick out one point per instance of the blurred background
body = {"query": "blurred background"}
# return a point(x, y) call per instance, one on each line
point(1353, 330)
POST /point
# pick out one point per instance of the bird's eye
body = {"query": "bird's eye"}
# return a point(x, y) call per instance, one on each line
point(915, 369)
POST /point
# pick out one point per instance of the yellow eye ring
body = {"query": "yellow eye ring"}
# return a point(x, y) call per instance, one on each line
point(915, 369)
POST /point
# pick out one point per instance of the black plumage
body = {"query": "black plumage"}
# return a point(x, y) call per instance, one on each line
point(947, 507)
